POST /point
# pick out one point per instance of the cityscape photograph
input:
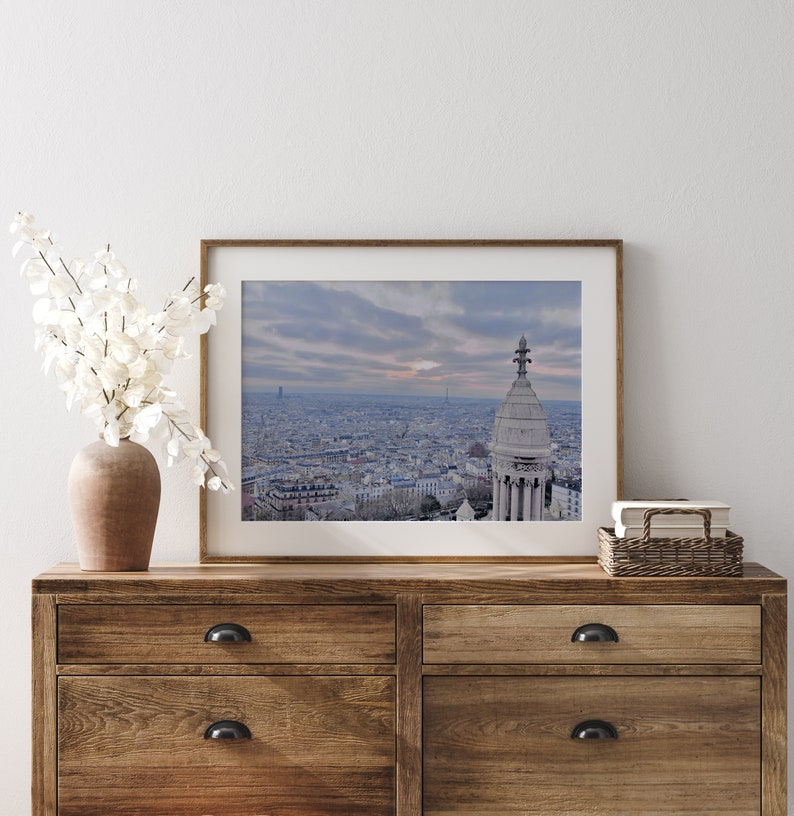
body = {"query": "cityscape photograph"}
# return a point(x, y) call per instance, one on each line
point(411, 401)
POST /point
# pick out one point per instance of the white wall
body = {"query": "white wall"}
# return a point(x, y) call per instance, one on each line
point(155, 124)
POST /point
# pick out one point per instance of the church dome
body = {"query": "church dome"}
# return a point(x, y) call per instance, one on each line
point(465, 512)
point(520, 429)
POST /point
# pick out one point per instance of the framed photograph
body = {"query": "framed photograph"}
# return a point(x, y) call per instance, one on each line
point(413, 400)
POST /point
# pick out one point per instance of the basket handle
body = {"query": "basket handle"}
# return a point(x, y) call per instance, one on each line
point(705, 513)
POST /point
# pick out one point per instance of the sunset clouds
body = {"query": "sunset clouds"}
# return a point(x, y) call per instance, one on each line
point(411, 337)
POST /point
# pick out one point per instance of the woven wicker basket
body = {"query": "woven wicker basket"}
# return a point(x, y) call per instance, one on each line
point(670, 556)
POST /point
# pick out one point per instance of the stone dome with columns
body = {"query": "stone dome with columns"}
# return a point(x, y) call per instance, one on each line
point(520, 449)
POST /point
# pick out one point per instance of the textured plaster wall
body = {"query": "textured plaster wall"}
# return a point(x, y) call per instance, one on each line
point(155, 124)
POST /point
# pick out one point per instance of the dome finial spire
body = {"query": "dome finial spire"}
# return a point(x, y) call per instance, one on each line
point(522, 358)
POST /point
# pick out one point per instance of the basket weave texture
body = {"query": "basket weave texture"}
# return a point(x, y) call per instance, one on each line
point(648, 556)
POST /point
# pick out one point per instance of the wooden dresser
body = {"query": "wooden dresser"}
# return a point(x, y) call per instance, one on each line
point(402, 689)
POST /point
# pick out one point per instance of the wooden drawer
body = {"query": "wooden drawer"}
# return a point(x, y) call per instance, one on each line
point(135, 746)
point(175, 634)
point(688, 746)
point(542, 634)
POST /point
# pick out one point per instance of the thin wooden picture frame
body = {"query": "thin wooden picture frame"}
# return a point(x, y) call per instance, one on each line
point(315, 266)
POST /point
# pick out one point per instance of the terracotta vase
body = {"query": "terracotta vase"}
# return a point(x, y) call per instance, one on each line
point(114, 495)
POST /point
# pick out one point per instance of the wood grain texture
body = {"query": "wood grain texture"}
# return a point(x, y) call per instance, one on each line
point(647, 634)
point(774, 755)
point(205, 261)
point(409, 706)
point(231, 669)
point(44, 780)
point(686, 746)
point(593, 670)
point(340, 729)
point(293, 633)
point(563, 581)
point(136, 747)
point(619, 371)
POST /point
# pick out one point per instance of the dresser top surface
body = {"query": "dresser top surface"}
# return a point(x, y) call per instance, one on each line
point(542, 579)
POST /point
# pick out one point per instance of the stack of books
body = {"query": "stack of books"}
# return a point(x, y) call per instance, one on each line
point(628, 517)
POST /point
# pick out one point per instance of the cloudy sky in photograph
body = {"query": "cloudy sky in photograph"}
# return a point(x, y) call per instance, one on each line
point(411, 337)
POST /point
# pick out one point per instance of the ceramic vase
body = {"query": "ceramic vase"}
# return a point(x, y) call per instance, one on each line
point(114, 496)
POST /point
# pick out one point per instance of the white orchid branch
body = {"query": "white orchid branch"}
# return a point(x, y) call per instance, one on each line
point(109, 355)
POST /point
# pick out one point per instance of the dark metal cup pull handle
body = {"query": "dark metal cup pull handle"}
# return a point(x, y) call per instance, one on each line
point(594, 729)
point(594, 633)
point(227, 729)
point(227, 633)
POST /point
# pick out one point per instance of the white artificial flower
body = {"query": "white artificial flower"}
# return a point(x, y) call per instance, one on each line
point(41, 310)
point(104, 300)
point(129, 307)
point(112, 373)
point(205, 321)
point(122, 346)
point(216, 293)
point(194, 448)
point(137, 369)
point(20, 221)
point(111, 432)
point(109, 353)
point(214, 483)
point(62, 285)
point(147, 418)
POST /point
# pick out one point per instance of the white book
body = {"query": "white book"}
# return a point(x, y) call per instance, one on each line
point(631, 513)
point(668, 531)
